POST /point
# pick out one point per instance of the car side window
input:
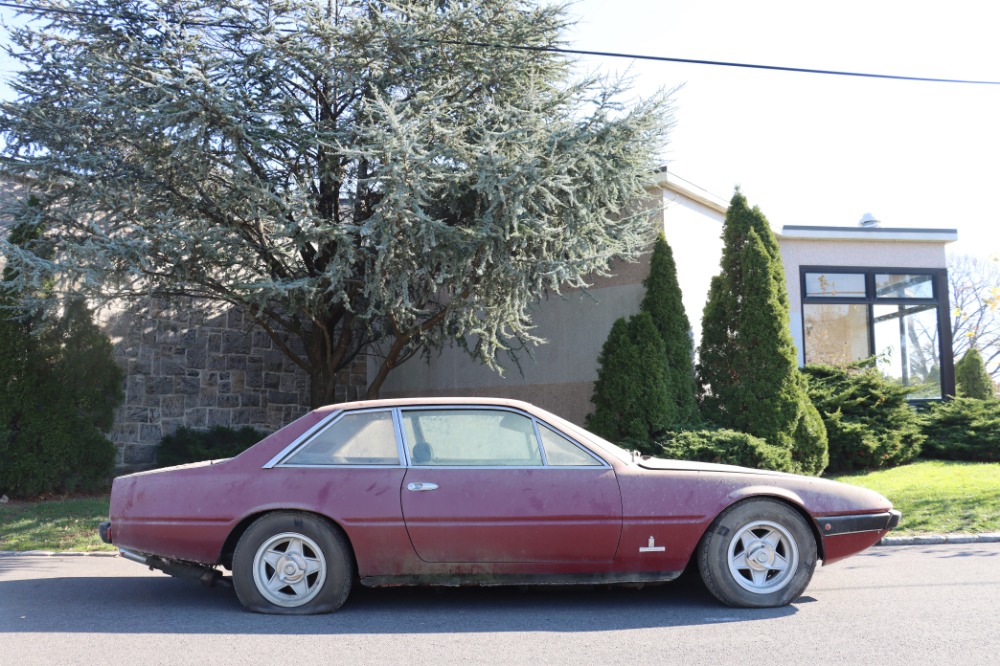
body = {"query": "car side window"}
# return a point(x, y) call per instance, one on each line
point(471, 437)
point(560, 452)
point(362, 438)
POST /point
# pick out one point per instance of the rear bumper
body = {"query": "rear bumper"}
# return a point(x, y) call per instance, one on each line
point(869, 522)
point(104, 529)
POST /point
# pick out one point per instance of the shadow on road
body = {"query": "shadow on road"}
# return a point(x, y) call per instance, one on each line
point(159, 604)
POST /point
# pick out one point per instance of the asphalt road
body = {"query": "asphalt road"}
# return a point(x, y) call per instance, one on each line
point(891, 605)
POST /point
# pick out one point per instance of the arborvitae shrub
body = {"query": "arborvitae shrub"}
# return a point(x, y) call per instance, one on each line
point(971, 377)
point(664, 303)
point(187, 445)
point(869, 422)
point(630, 395)
point(963, 429)
point(748, 366)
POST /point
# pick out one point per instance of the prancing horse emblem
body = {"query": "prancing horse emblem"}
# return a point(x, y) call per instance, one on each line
point(652, 547)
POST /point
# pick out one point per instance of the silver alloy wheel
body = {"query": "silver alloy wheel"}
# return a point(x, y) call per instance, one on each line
point(289, 569)
point(763, 557)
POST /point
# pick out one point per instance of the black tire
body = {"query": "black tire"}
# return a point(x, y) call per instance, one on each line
point(759, 553)
point(290, 563)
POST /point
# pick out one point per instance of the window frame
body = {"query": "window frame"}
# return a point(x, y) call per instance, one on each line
point(939, 300)
point(403, 449)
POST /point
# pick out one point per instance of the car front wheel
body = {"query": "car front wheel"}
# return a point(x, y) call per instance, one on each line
point(758, 553)
point(291, 563)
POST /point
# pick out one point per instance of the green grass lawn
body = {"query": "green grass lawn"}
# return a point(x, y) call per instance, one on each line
point(56, 525)
point(935, 497)
point(938, 497)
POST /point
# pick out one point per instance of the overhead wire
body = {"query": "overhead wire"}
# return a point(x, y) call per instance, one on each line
point(716, 63)
point(37, 9)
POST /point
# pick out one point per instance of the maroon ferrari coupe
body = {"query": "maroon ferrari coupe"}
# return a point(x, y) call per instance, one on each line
point(482, 492)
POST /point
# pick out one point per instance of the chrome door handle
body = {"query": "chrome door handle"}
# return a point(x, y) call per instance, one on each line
point(416, 487)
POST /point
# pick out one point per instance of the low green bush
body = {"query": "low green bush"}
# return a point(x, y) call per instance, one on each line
point(869, 423)
point(963, 429)
point(727, 447)
point(187, 445)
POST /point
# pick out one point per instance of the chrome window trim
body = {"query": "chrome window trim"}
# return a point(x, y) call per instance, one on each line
point(538, 440)
point(328, 422)
point(402, 447)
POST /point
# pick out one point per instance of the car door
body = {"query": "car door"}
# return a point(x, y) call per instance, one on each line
point(480, 488)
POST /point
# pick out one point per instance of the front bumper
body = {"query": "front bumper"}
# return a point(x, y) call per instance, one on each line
point(869, 522)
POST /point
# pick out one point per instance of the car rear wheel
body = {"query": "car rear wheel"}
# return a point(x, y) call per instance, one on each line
point(290, 563)
point(758, 553)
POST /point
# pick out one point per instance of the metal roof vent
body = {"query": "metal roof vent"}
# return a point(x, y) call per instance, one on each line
point(868, 221)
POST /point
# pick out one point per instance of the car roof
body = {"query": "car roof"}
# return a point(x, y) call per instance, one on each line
point(436, 401)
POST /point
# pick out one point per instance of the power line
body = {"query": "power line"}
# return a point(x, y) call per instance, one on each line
point(546, 49)
point(716, 63)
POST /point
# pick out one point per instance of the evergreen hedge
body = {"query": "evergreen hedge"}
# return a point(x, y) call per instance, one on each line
point(963, 429)
point(188, 445)
point(61, 386)
point(60, 390)
point(727, 447)
point(869, 423)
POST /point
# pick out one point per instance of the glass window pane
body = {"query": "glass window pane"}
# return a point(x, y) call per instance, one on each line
point(835, 334)
point(906, 344)
point(561, 452)
point(364, 438)
point(473, 437)
point(897, 285)
point(840, 285)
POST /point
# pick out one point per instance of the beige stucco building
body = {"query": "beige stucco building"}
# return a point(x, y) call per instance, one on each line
point(831, 327)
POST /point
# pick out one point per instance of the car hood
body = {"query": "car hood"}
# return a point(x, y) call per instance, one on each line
point(692, 466)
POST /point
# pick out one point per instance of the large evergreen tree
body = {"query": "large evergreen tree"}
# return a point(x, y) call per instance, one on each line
point(747, 370)
point(664, 304)
point(349, 172)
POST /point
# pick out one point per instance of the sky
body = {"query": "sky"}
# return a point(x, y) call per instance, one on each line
point(823, 150)
point(813, 149)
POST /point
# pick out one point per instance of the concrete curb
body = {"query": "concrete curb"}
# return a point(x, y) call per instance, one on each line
point(935, 539)
point(49, 553)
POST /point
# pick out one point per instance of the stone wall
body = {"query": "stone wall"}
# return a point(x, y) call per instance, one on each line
point(196, 365)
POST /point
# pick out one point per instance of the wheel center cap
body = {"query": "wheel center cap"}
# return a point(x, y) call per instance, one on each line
point(759, 557)
point(291, 569)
